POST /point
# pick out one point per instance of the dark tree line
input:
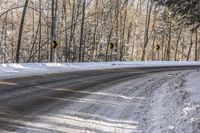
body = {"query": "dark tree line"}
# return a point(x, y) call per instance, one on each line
point(188, 10)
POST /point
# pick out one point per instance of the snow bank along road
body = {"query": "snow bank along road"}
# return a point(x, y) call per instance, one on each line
point(123, 100)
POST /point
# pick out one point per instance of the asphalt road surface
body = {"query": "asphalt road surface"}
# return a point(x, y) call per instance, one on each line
point(101, 101)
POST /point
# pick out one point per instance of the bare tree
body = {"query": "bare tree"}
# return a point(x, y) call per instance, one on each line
point(21, 31)
point(82, 32)
point(147, 24)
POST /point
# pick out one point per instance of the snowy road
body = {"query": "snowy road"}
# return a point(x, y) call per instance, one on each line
point(129, 100)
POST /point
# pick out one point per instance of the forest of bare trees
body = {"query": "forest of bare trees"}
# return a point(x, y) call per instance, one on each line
point(85, 28)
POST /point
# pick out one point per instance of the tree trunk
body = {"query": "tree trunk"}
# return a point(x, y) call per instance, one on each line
point(12, 40)
point(108, 42)
point(5, 39)
point(95, 45)
point(33, 48)
point(154, 33)
point(182, 49)
point(177, 44)
point(40, 32)
point(53, 28)
point(162, 46)
point(20, 31)
point(66, 35)
point(82, 28)
point(169, 41)
point(190, 48)
point(196, 46)
point(147, 24)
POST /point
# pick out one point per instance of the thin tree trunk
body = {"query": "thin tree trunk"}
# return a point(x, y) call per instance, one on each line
point(163, 47)
point(196, 45)
point(84, 47)
point(177, 44)
point(21, 31)
point(95, 46)
point(182, 50)
point(34, 48)
point(134, 40)
point(154, 33)
point(190, 48)
point(146, 38)
point(5, 39)
point(198, 52)
point(82, 28)
point(12, 40)
point(53, 29)
point(169, 42)
point(40, 31)
point(108, 42)
point(48, 47)
point(66, 35)
point(2, 31)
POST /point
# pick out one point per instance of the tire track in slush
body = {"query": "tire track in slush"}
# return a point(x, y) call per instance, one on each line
point(85, 92)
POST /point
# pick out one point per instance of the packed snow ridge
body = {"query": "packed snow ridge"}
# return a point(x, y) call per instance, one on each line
point(30, 69)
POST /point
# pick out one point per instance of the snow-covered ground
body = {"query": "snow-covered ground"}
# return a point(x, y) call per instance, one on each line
point(193, 86)
point(167, 102)
point(20, 70)
point(175, 106)
point(155, 103)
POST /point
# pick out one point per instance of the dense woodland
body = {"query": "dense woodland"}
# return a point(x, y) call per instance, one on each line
point(84, 30)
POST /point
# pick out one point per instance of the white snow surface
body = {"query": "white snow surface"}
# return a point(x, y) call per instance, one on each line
point(193, 86)
point(175, 105)
point(155, 103)
point(167, 102)
point(30, 69)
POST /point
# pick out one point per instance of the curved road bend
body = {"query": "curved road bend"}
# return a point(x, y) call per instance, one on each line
point(85, 101)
